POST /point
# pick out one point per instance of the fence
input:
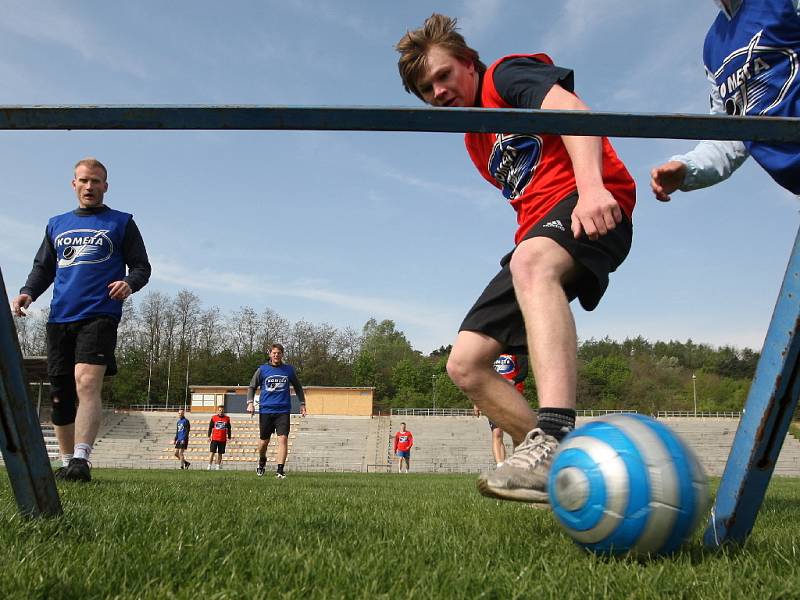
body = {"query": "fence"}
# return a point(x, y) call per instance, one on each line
point(662, 414)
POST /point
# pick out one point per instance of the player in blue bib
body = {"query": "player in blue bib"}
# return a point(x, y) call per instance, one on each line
point(274, 405)
point(182, 429)
point(751, 61)
point(85, 255)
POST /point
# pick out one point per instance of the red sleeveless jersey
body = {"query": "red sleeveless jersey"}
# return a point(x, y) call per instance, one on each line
point(535, 171)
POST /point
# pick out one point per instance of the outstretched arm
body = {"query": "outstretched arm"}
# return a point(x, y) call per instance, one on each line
point(710, 162)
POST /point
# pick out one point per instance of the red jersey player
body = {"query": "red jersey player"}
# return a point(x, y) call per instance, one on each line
point(219, 432)
point(403, 440)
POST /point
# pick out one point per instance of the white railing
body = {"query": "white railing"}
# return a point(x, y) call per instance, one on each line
point(155, 407)
point(689, 413)
point(432, 412)
point(590, 412)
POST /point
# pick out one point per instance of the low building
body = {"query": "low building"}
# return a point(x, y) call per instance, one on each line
point(320, 400)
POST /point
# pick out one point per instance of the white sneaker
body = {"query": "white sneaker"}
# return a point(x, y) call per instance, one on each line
point(209, 468)
point(523, 476)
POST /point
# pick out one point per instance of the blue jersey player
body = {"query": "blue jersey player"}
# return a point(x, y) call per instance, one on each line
point(182, 429)
point(95, 258)
point(751, 60)
point(274, 405)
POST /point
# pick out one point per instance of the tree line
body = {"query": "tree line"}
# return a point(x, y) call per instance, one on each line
point(166, 343)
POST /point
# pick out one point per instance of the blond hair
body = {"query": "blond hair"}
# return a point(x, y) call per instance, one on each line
point(92, 163)
point(438, 30)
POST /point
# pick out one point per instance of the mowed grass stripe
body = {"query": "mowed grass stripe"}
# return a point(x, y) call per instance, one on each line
point(215, 535)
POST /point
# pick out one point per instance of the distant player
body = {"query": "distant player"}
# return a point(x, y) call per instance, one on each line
point(219, 432)
point(513, 369)
point(274, 406)
point(182, 429)
point(403, 441)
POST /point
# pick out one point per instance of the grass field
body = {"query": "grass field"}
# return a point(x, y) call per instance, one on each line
point(215, 535)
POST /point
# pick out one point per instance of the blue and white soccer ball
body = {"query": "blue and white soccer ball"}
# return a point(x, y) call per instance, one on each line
point(627, 483)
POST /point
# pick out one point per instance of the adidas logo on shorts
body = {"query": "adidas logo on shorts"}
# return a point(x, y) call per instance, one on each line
point(557, 224)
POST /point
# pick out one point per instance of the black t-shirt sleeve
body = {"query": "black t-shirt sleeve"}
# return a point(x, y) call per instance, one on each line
point(135, 257)
point(44, 270)
point(298, 388)
point(523, 82)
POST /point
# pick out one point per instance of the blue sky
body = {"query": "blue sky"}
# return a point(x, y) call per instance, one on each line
point(338, 227)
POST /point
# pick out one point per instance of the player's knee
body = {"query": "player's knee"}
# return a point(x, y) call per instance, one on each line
point(539, 262)
point(64, 398)
point(88, 383)
point(462, 371)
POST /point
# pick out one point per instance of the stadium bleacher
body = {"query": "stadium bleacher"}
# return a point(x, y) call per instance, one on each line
point(442, 444)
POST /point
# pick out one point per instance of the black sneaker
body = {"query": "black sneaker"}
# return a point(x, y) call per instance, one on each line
point(60, 473)
point(260, 471)
point(79, 469)
point(186, 464)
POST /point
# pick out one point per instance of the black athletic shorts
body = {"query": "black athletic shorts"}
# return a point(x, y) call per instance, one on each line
point(218, 447)
point(496, 312)
point(91, 341)
point(181, 444)
point(270, 423)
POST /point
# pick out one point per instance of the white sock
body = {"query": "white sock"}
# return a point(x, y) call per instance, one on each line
point(499, 465)
point(83, 451)
point(65, 458)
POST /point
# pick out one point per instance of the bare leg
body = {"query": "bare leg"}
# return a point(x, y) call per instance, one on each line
point(498, 446)
point(283, 449)
point(89, 385)
point(65, 434)
point(262, 450)
point(470, 368)
point(540, 269)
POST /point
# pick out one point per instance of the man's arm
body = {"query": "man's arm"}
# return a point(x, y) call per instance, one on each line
point(41, 276)
point(597, 211)
point(135, 253)
point(229, 428)
point(299, 391)
point(210, 426)
point(710, 162)
point(136, 259)
point(251, 390)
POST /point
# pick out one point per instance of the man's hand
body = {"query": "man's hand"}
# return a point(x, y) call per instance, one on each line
point(251, 408)
point(302, 410)
point(476, 411)
point(595, 214)
point(20, 304)
point(119, 290)
point(667, 178)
